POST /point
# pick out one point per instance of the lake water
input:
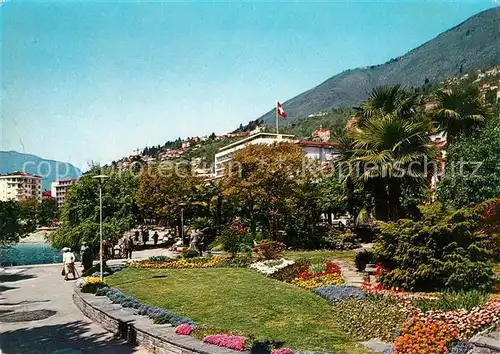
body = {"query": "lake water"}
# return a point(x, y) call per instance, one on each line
point(29, 253)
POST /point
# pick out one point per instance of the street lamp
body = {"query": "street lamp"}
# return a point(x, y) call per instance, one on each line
point(101, 179)
point(182, 205)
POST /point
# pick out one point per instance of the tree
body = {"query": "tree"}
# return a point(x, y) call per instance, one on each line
point(472, 172)
point(388, 100)
point(11, 227)
point(388, 151)
point(29, 213)
point(48, 212)
point(162, 191)
point(80, 210)
point(262, 181)
point(459, 111)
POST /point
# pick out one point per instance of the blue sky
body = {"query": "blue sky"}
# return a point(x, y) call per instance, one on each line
point(95, 80)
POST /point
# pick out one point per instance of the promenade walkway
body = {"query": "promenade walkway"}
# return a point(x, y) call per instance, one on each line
point(37, 315)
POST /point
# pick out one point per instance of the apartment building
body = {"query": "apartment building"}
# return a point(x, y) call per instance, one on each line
point(20, 186)
point(59, 189)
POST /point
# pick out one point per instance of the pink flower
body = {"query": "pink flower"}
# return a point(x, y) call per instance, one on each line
point(227, 341)
point(282, 351)
point(184, 329)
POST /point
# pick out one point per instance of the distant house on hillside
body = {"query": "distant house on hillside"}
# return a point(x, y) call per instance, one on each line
point(321, 134)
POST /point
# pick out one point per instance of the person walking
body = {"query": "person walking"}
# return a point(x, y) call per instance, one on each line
point(145, 236)
point(155, 238)
point(201, 240)
point(87, 259)
point(128, 246)
point(68, 263)
point(82, 251)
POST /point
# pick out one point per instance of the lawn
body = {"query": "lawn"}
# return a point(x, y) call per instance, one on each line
point(242, 300)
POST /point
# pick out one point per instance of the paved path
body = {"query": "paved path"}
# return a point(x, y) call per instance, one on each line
point(67, 331)
point(351, 276)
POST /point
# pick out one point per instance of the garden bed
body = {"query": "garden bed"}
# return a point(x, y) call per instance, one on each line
point(240, 300)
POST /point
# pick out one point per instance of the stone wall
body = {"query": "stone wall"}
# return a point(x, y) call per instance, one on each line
point(139, 330)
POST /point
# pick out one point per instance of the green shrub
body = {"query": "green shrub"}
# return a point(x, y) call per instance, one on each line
point(370, 318)
point(190, 253)
point(430, 255)
point(269, 249)
point(235, 262)
point(450, 301)
point(343, 241)
point(363, 258)
point(233, 236)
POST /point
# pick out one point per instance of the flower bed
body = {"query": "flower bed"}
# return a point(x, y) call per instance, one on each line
point(270, 267)
point(339, 293)
point(205, 262)
point(90, 284)
point(227, 341)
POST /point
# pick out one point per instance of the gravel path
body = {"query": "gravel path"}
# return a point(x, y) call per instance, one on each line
point(37, 316)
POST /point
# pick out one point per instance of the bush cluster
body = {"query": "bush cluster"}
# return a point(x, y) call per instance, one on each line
point(363, 258)
point(269, 249)
point(334, 293)
point(342, 241)
point(426, 255)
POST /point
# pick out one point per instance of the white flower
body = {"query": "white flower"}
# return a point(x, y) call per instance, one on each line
point(271, 266)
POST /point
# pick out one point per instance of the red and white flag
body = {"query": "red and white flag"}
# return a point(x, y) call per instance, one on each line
point(279, 110)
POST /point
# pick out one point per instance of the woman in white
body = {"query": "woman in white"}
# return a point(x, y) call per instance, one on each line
point(69, 263)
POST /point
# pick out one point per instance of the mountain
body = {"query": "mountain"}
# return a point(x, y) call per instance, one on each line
point(50, 170)
point(472, 45)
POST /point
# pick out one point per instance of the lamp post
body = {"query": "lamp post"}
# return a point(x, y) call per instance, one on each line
point(182, 205)
point(101, 179)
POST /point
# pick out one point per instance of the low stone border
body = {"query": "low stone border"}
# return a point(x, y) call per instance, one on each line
point(139, 330)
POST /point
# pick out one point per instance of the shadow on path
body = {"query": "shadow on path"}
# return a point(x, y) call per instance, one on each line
point(74, 337)
point(5, 288)
point(4, 278)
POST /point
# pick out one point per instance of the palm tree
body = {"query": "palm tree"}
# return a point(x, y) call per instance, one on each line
point(459, 111)
point(387, 100)
point(388, 152)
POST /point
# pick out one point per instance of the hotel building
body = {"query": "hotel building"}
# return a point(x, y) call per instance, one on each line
point(20, 186)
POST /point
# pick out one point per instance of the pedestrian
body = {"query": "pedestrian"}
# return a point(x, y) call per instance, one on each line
point(68, 263)
point(193, 239)
point(155, 238)
point(105, 250)
point(82, 251)
point(128, 246)
point(201, 241)
point(87, 259)
point(145, 236)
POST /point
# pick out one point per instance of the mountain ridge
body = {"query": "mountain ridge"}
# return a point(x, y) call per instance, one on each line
point(50, 170)
point(471, 45)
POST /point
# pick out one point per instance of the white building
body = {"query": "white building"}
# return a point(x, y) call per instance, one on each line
point(225, 154)
point(318, 150)
point(20, 186)
point(59, 189)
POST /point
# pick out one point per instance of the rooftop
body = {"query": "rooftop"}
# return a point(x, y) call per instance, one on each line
point(256, 136)
point(19, 174)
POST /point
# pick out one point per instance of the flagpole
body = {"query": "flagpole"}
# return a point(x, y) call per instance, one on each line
point(277, 130)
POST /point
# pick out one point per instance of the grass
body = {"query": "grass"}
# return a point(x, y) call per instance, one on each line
point(241, 300)
point(315, 256)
